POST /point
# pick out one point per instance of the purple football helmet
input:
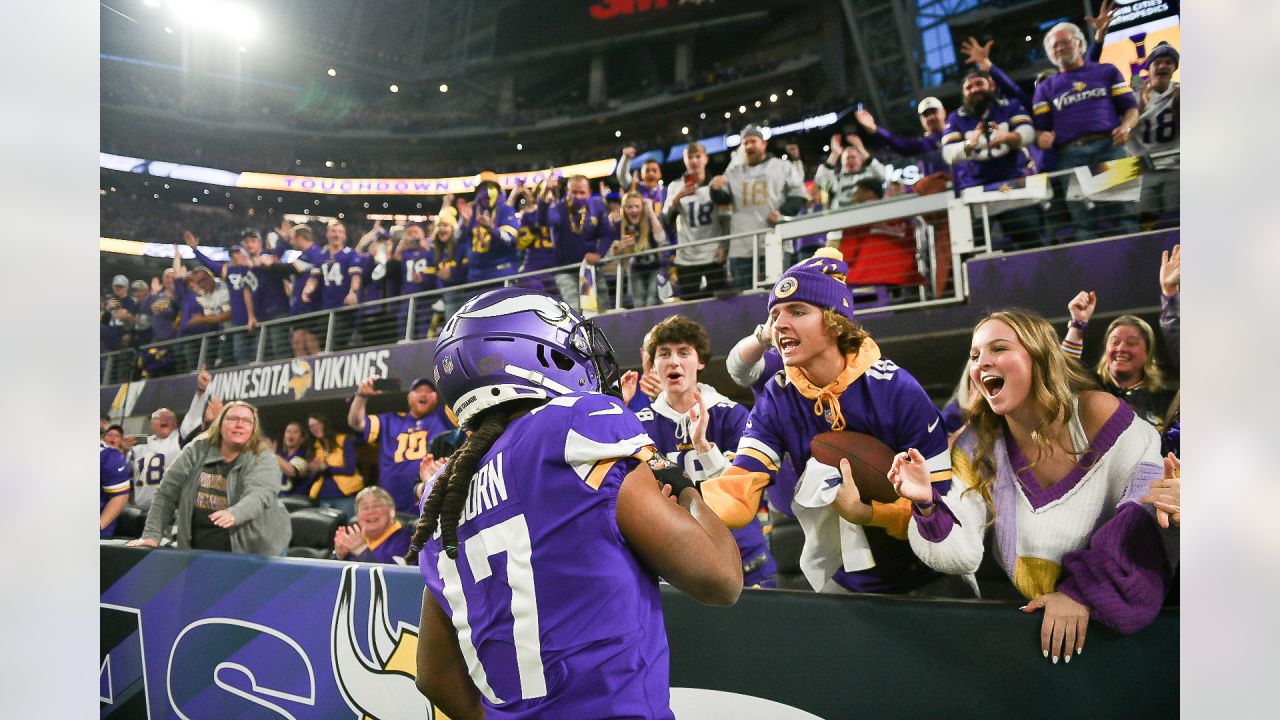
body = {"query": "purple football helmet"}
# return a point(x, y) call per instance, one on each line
point(514, 344)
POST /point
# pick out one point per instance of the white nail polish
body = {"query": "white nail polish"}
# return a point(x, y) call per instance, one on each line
point(1055, 659)
point(1079, 651)
point(1046, 653)
point(1067, 659)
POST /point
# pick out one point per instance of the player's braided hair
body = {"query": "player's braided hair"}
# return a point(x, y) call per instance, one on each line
point(443, 506)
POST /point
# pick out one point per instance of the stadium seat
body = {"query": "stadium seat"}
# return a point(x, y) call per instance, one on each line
point(314, 528)
point(131, 522)
point(408, 520)
point(309, 552)
point(297, 502)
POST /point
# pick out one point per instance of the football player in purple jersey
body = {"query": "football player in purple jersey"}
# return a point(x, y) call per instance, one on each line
point(542, 539)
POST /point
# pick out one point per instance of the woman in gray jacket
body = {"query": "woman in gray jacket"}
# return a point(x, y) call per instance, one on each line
point(223, 487)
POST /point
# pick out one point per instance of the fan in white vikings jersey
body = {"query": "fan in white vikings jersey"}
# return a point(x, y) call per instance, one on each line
point(1157, 132)
point(148, 462)
point(760, 191)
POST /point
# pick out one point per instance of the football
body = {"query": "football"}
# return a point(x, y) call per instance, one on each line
point(869, 461)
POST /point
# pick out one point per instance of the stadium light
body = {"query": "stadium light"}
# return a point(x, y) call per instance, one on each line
point(728, 115)
point(243, 49)
point(395, 88)
point(328, 163)
point(684, 130)
point(519, 146)
point(702, 116)
point(227, 18)
point(1028, 38)
point(333, 72)
point(742, 109)
point(773, 97)
point(169, 30)
point(789, 92)
point(444, 88)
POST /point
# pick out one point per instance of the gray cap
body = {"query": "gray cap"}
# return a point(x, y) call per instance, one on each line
point(751, 129)
point(119, 281)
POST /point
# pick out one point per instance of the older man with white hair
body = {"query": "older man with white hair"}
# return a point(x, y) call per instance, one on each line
point(1086, 113)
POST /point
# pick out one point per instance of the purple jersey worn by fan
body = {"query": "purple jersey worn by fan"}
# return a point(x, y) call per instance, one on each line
point(576, 230)
point(335, 276)
point(419, 271)
point(163, 314)
point(389, 549)
point(113, 481)
point(783, 487)
point(1078, 103)
point(988, 165)
point(237, 278)
point(491, 251)
point(402, 443)
point(885, 402)
point(556, 616)
point(306, 264)
point(672, 435)
point(534, 241)
point(295, 486)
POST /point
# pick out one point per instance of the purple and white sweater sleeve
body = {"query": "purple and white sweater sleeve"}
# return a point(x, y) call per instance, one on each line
point(950, 538)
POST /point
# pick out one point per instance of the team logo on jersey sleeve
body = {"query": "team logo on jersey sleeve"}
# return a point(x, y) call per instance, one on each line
point(786, 287)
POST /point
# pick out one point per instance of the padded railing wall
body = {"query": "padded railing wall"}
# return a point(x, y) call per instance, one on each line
point(199, 634)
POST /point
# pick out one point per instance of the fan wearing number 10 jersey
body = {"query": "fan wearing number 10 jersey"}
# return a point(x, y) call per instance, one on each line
point(542, 540)
point(402, 437)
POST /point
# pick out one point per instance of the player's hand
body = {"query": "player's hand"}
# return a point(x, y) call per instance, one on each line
point(1106, 14)
point(1166, 494)
point(910, 477)
point(142, 542)
point(701, 419)
point(848, 503)
point(190, 239)
point(865, 119)
point(629, 382)
point(1082, 306)
point(650, 384)
point(223, 519)
point(977, 54)
point(1064, 626)
point(1044, 139)
point(718, 182)
point(203, 378)
point(1171, 271)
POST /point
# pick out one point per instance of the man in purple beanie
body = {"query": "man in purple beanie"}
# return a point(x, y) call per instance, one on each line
point(834, 378)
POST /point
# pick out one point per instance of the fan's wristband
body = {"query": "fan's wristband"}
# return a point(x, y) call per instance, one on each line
point(1080, 325)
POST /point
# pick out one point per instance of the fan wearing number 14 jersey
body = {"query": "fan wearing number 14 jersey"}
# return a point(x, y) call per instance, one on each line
point(542, 540)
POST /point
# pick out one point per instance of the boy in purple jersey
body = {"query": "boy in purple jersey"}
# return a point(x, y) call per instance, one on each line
point(543, 537)
point(403, 439)
point(113, 483)
point(339, 278)
point(490, 233)
point(834, 379)
point(697, 428)
point(417, 274)
point(1085, 113)
point(579, 227)
point(751, 364)
point(378, 537)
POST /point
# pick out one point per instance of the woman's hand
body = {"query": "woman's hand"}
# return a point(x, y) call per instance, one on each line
point(142, 542)
point(348, 540)
point(223, 519)
point(1166, 494)
point(1171, 271)
point(1064, 626)
point(1082, 306)
point(910, 477)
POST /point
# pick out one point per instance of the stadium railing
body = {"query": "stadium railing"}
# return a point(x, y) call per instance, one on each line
point(947, 229)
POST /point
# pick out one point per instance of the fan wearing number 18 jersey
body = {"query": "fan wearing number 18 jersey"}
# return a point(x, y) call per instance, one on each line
point(163, 444)
point(542, 540)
